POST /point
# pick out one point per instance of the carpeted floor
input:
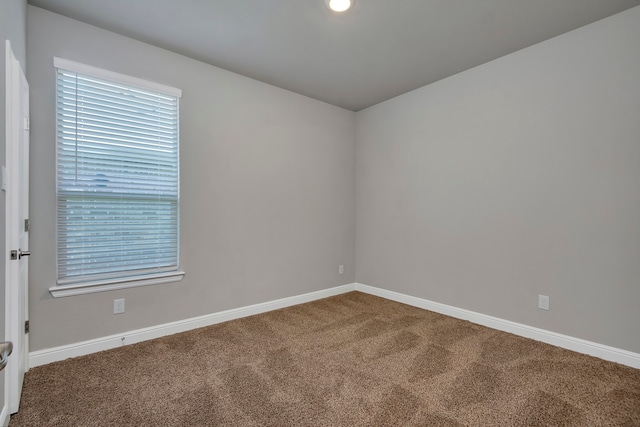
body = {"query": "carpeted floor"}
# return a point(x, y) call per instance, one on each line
point(349, 360)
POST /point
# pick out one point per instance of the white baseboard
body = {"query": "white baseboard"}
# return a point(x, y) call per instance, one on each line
point(49, 355)
point(602, 351)
point(4, 416)
point(42, 357)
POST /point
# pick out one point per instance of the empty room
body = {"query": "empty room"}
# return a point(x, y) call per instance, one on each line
point(320, 212)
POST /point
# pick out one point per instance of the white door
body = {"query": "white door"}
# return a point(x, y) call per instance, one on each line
point(17, 236)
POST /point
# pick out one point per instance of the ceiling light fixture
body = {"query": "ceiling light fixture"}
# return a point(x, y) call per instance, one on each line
point(339, 5)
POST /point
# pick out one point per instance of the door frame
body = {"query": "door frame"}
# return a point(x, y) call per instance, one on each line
point(15, 125)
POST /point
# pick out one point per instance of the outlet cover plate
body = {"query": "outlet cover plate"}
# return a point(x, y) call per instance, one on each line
point(543, 302)
point(118, 306)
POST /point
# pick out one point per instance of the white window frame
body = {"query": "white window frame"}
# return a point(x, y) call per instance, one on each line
point(128, 281)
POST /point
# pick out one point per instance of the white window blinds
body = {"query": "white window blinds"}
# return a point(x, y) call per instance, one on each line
point(117, 178)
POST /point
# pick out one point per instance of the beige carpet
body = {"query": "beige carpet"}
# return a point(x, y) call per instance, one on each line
point(350, 360)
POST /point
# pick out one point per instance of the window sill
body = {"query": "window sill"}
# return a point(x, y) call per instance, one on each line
point(111, 285)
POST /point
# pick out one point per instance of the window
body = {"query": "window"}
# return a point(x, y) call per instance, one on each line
point(117, 181)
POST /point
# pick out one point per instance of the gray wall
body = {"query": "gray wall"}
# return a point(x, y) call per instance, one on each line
point(267, 188)
point(513, 179)
point(517, 178)
point(13, 27)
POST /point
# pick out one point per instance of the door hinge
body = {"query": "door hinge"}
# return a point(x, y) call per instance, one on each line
point(26, 123)
point(26, 327)
point(27, 225)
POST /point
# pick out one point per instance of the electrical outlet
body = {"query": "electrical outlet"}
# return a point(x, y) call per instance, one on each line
point(118, 306)
point(341, 269)
point(543, 302)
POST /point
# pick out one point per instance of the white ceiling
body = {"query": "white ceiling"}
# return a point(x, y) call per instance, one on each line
point(380, 49)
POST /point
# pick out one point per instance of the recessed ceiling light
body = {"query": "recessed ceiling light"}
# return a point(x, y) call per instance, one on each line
point(339, 5)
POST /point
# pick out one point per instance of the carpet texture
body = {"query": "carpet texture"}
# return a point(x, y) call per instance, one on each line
point(349, 360)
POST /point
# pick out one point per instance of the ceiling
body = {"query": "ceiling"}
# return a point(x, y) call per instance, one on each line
point(378, 50)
